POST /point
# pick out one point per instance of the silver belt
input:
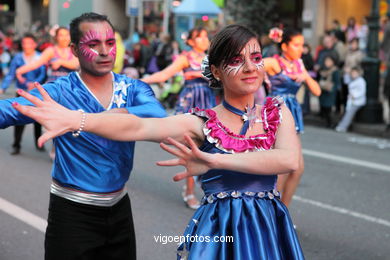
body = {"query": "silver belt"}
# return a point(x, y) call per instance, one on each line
point(89, 198)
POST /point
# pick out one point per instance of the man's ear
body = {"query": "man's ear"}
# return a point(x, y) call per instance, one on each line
point(73, 47)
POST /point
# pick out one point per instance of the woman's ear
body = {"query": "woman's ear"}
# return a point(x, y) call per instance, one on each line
point(284, 47)
point(216, 72)
point(191, 42)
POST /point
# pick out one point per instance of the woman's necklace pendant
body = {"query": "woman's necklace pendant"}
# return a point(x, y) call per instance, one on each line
point(250, 115)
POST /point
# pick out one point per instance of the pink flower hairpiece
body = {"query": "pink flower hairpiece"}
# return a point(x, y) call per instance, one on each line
point(275, 34)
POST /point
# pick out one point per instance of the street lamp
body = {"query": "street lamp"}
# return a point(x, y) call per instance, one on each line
point(372, 112)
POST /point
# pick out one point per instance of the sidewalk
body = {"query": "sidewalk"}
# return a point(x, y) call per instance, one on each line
point(375, 130)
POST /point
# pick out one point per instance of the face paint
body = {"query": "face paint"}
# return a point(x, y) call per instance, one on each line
point(91, 39)
point(110, 35)
point(87, 42)
point(237, 62)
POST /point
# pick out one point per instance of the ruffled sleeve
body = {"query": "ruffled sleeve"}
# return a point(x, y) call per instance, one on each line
point(271, 113)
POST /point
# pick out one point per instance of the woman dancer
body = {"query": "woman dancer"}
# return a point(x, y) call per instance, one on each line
point(286, 74)
point(237, 153)
point(195, 92)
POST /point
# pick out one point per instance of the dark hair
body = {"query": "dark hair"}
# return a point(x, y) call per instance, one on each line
point(227, 44)
point(193, 33)
point(354, 39)
point(29, 35)
point(333, 57)
point(358, 69)
point(288, 35)
point(75, 33)
point(307, 46)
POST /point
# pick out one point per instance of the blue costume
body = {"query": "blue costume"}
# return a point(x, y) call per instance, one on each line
point(245, 207)
point(90, 163)
point(37, 75)
point(282, 85)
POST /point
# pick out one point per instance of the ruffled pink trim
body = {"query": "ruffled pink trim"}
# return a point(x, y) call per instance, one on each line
point(227, 141)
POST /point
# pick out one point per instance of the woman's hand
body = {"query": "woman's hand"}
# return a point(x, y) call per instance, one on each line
point(194, 160)
point(55, 118)
point(19, 76)
point(56, 64)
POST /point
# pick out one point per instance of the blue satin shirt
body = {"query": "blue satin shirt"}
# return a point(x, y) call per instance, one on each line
point(90, 162)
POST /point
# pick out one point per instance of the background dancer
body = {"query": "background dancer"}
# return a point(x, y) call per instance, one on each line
point(59, 60)
point(287, 74)
point(195, 92)
point(28, 55)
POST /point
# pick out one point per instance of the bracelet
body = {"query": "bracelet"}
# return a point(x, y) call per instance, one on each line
point(82, 124)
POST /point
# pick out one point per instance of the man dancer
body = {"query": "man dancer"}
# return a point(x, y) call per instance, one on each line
point(89, 212)
point(28, 55)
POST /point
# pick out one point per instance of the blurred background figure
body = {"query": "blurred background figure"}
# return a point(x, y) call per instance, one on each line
point(385, 47)
point(5, 59)
point(287, 74)
point(352, 29)
point(356, 97)
point(28, 55)
point(308, 61)
point(196, 91)
point(120, 54)
point(330, 82)
point(58, 59)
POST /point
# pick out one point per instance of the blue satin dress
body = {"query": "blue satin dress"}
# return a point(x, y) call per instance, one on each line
point(243, 206)
point(196, 92)
point(283, 86)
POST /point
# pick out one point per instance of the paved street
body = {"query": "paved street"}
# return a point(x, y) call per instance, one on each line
point(341, 210)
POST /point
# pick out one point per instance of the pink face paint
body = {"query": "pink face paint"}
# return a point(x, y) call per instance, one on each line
point(90, 39)
point(111, 41)
point(237, 62)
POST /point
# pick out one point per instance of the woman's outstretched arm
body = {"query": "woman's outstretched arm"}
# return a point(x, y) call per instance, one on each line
point(45, 57)
point(178, 65)
point(72, 64)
